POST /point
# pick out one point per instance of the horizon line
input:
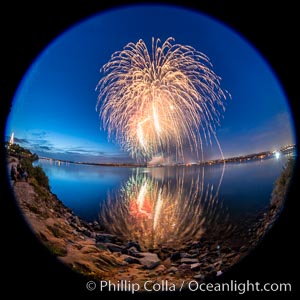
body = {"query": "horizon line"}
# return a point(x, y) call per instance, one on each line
point(265, 154)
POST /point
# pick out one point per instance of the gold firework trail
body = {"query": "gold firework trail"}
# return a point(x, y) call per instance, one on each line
point(160, 101)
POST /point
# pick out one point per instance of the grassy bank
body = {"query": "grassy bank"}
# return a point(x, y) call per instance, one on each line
point(282, 184)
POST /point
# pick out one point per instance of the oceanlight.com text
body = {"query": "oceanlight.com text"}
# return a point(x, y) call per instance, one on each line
point(192, 286)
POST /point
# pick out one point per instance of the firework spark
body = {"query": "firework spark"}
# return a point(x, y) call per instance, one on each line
point(160, 101)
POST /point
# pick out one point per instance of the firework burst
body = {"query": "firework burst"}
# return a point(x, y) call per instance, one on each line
point(160, 101)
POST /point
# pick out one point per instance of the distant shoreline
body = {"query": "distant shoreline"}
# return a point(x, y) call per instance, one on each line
point(94, 164)
point(287, 150)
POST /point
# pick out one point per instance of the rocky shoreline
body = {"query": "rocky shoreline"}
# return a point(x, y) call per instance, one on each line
point(88, 249)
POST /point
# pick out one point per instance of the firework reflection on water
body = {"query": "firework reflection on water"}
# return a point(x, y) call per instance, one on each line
point(163, 207)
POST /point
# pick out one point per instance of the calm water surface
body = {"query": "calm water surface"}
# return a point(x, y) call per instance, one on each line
point(239, 189)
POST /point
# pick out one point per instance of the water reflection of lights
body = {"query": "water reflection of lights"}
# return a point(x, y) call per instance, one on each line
point(168, 211)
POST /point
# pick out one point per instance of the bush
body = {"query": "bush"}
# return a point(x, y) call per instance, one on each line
point(42, 192)
point(35, 172)
point(41, 177)
point(27, 165)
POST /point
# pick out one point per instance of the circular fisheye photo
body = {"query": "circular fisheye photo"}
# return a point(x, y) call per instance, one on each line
point(148, 156)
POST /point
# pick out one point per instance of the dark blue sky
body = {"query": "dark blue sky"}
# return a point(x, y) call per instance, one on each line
point(54, 107)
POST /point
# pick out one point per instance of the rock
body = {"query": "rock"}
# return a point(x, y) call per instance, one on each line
point(195, 267)
point(175, 256)
point(214, 255)
point(167, 262)
point(189, 260)
point(217, 263)
point(199, 277)
point(212, 274)
point(203, 239)
point(160, 269)
point(131, 260)
point(81, 229)
point(230, 255)
point(101, 246)
point(243, 249)
point(166, 250)
point(105, 238)
point(96, 226)
point(172, 270)
point(149, 260)
point(152, 250)
point(114, 248)
point(43, 237)
point(133, 244)
point(187, 255)
point(202, 256)
point(77, 221)
point(194, 251)
point(184, 269)
point(134, 252)
point(214, 247)
point(208, 269)
point(226, 250)
point(87, 233)
point(161, 255)
point(122, 271)
point(236, 248)
point(195, 244)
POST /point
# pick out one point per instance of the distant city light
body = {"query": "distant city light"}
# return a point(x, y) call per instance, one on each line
point(277, 154)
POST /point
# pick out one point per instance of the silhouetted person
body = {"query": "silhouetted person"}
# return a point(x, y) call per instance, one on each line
point(14, 173)
point(24, 175)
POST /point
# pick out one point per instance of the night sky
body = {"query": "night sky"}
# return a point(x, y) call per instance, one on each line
point(54, 112)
